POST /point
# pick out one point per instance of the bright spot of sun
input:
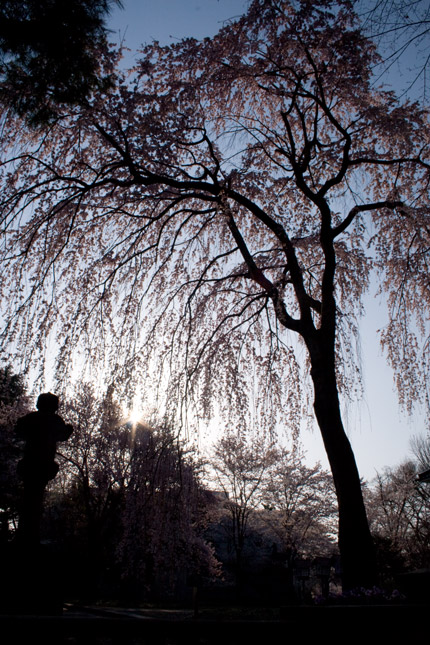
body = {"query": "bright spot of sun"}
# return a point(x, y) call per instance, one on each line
point(134, 416)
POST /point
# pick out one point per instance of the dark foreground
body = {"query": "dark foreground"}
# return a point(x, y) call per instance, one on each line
point(138, 627)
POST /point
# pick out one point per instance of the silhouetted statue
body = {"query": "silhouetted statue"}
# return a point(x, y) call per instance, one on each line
point(41, 430)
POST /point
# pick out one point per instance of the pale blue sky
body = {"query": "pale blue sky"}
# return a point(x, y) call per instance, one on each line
point(379, 433)
point(166, 20)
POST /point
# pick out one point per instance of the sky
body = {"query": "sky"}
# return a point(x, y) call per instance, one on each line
point(379, 432)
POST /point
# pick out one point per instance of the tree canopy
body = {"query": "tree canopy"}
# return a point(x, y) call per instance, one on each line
point(50, 54)
point(228, 194)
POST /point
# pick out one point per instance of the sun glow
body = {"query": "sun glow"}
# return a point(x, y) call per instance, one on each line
point(134, 416)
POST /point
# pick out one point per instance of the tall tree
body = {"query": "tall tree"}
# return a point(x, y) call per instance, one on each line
point(96, 463)
point(50, 54)
point(233, 193)
point(241, 464)
point(300, 505)
point(164, 516)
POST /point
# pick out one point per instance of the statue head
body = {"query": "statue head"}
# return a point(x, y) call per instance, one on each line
point(47, 402)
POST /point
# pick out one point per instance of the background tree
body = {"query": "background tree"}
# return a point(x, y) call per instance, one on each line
point(164, 517)
point(241, 464)
point(399, 513)
point(128, 507)
point(421, 451)
point(300, 505)
point(88, 494)
point(13, 404)
point(50, 54)
point(257, 180)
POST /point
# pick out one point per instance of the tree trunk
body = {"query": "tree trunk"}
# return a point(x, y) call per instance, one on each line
point(355, 541)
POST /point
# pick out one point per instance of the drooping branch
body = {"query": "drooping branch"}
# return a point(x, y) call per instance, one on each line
point(361, 208)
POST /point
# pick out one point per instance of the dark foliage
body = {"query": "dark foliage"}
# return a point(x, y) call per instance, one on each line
point(48, 54)
point(13, 403)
